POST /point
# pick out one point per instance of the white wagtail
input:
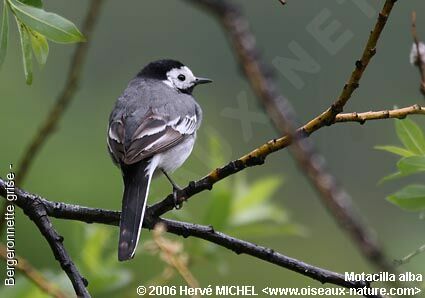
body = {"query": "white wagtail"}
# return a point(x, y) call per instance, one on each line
point(152, 129)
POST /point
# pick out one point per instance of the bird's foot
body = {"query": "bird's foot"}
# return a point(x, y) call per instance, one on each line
point(176, 189)
point(177, 203)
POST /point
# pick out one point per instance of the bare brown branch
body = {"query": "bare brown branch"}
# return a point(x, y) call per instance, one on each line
point(420, 63)
point(367, 116)
point(280, 111)
point(360, 66)
point(283, 117)
point(257, 156)
point(86, 214)
point(36, 211)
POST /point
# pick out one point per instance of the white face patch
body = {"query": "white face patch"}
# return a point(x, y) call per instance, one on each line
point(181, 78)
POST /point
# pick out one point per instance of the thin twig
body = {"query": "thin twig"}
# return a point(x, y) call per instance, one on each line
point(378, 115)
point(258, 155)
point(34, 275)
point(85, 214)
point(420, 63)
point(283, 117)
point(269, 255)
point(407, 258)
point(65, 97)
point(360, 66)
point(207, 232)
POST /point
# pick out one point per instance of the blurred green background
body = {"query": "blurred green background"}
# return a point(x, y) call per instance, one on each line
point(74, 165)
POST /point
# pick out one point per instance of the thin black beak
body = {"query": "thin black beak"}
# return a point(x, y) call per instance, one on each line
point(202, 81)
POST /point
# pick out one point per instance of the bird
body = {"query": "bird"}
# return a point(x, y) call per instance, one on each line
point(152, 130)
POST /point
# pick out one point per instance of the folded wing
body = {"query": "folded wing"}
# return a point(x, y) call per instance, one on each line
point(154, 134)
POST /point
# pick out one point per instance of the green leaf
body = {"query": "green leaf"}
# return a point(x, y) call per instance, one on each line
point(260, 213)
point(411, 165)
point(411, 198)
point(396, 150)
point(93, 247)
point(392, 177)
point(4, 33)
point(410, 135)
point(26, 51)
point(35, 3)
point(40, 46)
point(218, 211)
point(94, 256)
point(261, 191)
point(51, 25)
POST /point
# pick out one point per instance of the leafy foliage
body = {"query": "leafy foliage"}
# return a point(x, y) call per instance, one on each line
point(411, 197)
point(26, 51)
point(238, 207)
point(40, 46)
point(95, 255)
point(241, 208)
point(35, 26)
point(246, 210)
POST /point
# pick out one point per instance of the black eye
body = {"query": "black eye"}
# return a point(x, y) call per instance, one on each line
point(181, 77)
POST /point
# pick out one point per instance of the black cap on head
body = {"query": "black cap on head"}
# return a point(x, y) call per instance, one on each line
point(158, 69)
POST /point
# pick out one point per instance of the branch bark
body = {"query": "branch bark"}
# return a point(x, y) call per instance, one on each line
point(95, 215)
point(420, 63)
point(39, 209)
point(258, 155)
point(379, 115)
point(360, 66)
point(35, 209)
point(280, 111)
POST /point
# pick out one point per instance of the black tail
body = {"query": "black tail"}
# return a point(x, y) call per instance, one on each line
point(137, 178)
